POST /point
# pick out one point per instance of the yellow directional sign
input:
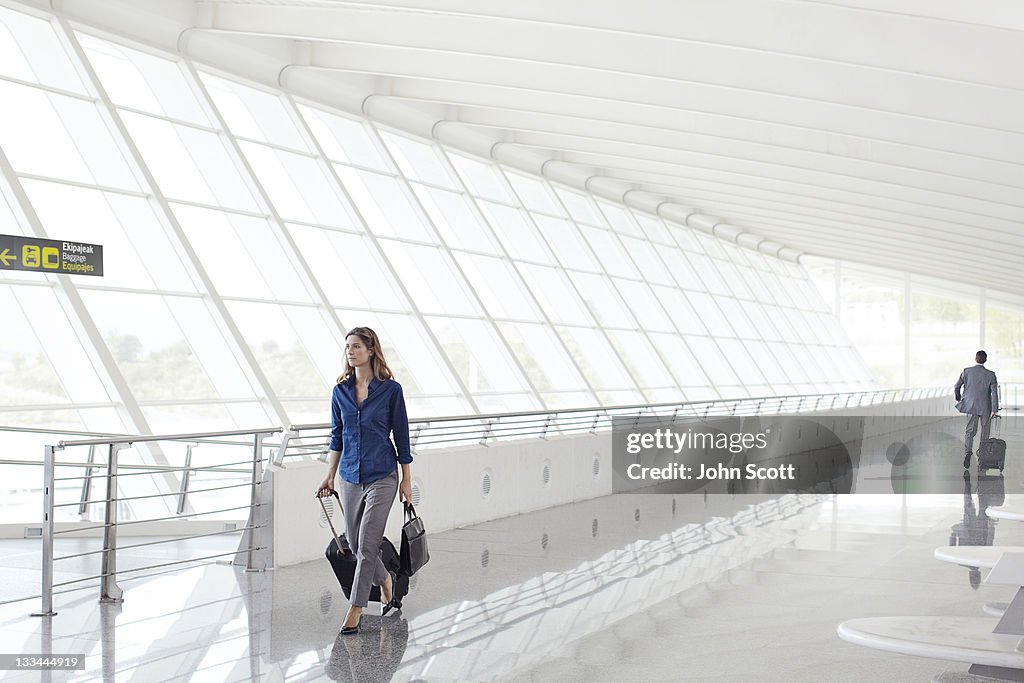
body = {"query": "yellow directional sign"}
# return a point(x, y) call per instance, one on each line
point(50, 256)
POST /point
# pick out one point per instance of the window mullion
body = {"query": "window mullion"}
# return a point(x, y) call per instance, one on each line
point(657, 301)
point(322, 156)
point(515, 266)
point(713, 302)
point(164, 210)
point(292, 252)
point(458, 269)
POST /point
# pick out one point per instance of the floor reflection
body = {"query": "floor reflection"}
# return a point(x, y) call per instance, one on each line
point(570, 591)
point(975, 528)
point(373, 654)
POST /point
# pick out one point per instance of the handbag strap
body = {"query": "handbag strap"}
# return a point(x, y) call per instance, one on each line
point(324, 507)
point(410, 511)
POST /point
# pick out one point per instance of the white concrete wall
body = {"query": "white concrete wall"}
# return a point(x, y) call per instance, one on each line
point(450, 484)
point(450, 488)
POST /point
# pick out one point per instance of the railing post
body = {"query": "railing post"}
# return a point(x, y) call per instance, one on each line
point(487, 433)
point(547, 423)
point(47, 593)
point(257, 472)
point(279, 455)
point(186, 477)
point(109, 590)
point(87, 482)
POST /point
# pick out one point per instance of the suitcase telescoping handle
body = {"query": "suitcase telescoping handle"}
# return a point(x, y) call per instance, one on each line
point(324, 507)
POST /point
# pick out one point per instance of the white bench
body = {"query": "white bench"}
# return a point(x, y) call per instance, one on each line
point(981, 556)
point(998, 651)
point(1013, 514)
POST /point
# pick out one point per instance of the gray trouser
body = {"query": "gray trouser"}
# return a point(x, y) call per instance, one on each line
point(366, 508)
point(972, 429)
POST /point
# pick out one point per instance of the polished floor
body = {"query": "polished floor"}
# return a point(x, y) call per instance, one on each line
point(623, 588)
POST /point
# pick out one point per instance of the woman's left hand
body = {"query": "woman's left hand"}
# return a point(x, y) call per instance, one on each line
point(405, 491)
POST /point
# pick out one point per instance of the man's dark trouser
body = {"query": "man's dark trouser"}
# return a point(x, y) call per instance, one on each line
point(972, 429)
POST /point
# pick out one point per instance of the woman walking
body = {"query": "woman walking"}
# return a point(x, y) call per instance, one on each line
point(367, 410)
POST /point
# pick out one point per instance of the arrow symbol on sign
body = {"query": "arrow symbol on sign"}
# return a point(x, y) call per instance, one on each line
point(6, 257)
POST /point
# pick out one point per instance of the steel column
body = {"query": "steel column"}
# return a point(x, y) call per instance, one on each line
point(109, 590)
point(47, 588)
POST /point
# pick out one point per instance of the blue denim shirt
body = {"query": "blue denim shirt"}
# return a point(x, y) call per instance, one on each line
point(362, 433)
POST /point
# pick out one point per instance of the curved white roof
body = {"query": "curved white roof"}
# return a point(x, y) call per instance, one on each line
point(883, 132)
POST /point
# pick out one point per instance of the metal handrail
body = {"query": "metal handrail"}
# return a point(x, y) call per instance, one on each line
point(429, 432)
point(167, 437)
point(158, 542)
point(255, 536)
point(111, 575)
point(155, 495)
point(631, 406)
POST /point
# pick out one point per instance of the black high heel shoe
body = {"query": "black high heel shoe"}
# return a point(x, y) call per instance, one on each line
point(388, 607)
point(349, 630)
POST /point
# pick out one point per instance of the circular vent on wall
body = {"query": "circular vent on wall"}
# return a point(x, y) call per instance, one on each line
point(485, 484)
point(545, 474)
point(595, 466)
point(485, 558)
point(415, 492)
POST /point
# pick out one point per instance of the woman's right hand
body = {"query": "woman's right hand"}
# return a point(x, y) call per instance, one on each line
point(325, 488)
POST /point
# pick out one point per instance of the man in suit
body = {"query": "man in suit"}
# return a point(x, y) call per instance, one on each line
point(980, 401)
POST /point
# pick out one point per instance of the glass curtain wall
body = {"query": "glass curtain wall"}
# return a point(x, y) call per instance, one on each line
point(928, 341)
point(245, 231)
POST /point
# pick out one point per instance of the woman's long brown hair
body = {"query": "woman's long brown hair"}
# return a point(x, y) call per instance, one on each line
point(378, 365)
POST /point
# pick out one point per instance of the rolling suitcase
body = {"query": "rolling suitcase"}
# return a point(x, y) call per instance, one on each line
point(992, 453)
point(343, 562)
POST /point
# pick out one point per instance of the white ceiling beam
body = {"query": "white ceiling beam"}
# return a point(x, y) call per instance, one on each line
point(910, 238)
point(695, 193)
point(845, 246)
point(978, 198)
point(789, 94)
point(850, 243)
point(702, 61)
point(970, 50)
point(850, 191)
point(982, 256)
point(907, 165)
point(854, 138)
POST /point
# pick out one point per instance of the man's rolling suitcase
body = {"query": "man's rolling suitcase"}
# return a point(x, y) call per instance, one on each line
point(343, 562)
point(992, 453)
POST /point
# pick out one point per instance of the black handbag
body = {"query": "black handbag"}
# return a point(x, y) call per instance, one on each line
point(413, 554)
